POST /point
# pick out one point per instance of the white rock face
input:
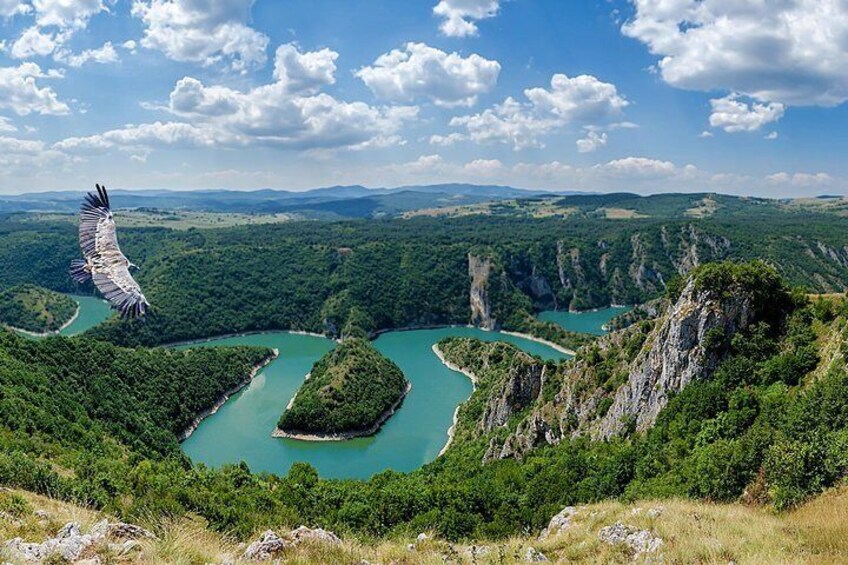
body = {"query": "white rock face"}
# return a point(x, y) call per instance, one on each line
point(560, 522)
point(480, 270)
point(639, 541)
point(678, 356)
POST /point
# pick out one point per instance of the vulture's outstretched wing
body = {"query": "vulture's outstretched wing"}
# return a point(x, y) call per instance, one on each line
point(104, 262)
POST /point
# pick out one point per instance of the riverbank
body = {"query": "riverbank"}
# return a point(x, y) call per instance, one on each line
point(202, 340)
point(226, 396)
point(343, 436)
point(54, 332)
point(550, 344)
point(467, 373)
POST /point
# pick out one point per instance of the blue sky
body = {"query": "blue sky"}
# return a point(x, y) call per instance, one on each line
point(643, 95)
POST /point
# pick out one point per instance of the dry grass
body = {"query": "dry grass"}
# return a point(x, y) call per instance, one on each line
point(692, 532)
point(705, 208)
point(621, 214)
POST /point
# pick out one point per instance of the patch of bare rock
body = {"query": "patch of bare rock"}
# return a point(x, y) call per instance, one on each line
point(639, 541)
point(70, 543)
point(269, 545)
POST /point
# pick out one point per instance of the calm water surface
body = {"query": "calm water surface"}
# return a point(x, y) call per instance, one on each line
point(241, 429)
point(92, 312)
point(589, 321)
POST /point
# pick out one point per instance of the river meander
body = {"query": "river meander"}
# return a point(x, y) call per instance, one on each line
point(241, 429)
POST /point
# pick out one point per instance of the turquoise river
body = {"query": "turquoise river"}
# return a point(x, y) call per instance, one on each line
point(241, 429)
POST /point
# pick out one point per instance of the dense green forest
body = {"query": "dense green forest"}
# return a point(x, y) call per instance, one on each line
point(350, 389)
point(326, 276)
point(89, 421)
point(35, 309)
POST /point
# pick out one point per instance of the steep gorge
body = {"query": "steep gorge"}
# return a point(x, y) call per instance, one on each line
point(619, 383)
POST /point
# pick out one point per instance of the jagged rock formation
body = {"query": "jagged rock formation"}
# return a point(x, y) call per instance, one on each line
point(518, 389)
point(618, 384)
point(677, 353)
point(480, 270)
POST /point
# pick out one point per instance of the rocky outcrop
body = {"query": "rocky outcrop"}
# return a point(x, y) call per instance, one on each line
point(686, 343)
point(316, 535)
point(677, 353)
point(480, 270)
point(270, 545)
point(516, 392)
point(643, 270)
point(70, 543)
point(559, 523)
point(690, 247)
point(636, 540)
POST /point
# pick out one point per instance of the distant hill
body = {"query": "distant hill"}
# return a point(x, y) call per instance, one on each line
point(333, 202)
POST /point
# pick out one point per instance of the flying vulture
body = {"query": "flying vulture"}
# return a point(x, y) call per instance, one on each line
point(104, 263)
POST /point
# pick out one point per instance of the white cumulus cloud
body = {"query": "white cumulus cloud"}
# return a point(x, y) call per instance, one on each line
point(304, 72)
point(288, 112)
point(593, 141)
point(202, 31)
point(33, 42)
point(419, 71)
point(800, 179)
point(733, 115)
point(20, 92)
point(10, 8)
point(102, 55)
point(583, 100)
point(6, 125)
point(459, 16)
point(789, 51)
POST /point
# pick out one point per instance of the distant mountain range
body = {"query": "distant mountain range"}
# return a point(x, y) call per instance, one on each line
point(331, 202)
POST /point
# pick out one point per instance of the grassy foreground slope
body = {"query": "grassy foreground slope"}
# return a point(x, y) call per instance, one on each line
point(692, 532)
point(35, 309)
point(351, 390)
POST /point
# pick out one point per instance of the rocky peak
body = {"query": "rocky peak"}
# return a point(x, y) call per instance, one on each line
point(676, 353)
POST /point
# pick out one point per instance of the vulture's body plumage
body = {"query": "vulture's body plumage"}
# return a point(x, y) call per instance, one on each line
point(104, 263)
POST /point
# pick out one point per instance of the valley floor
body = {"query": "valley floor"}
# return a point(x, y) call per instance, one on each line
point(691, 532)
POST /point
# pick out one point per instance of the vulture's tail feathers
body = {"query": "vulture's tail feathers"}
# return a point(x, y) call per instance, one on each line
point(79, 272)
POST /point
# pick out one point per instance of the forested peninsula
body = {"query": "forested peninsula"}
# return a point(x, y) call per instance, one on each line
point(35, 309)
point(350, 392)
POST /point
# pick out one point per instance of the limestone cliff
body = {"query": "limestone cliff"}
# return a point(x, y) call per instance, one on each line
point(619, 383)
point(479, 271)
point(676, 353)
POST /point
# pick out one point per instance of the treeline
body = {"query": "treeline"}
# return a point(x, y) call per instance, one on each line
point(349, 390)
point(375, 275)
point(35, 309)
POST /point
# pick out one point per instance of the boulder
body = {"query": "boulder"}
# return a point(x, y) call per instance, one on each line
point(266, 547)
point(560, 522)
point(304, 534)
point(639, 541)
